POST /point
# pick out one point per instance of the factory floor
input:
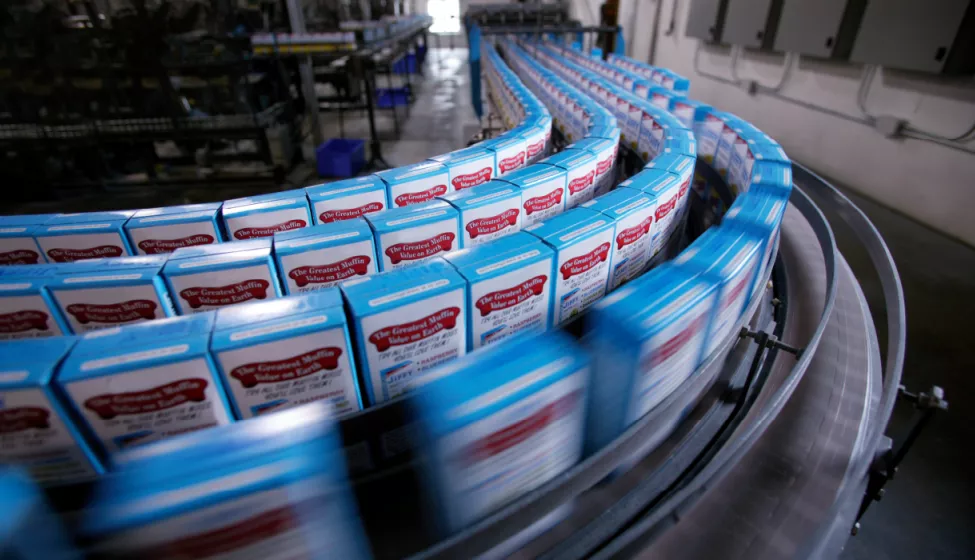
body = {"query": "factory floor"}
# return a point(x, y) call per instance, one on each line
point(928, 508)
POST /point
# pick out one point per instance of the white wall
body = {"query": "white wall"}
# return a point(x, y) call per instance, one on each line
point(931, 183)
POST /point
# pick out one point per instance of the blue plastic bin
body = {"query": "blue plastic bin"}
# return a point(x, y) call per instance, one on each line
point(405, 65)
point(388, 97)
point(340, 157)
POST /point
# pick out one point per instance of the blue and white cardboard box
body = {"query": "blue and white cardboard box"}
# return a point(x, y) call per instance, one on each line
point(92, 295)
point(674, 81)
point(690, 112)
point(772, 179)
point(406, 236)
point(509, 287)
point(269, 487)
point(532, 386)
point(348, 199)
point(510, 153)
point(652, 133)
point(648, 337)
point(680, 141)
point(415, 184)
point(38, 435)
point(762, 216)
point(163, 230)
point(212, 276)
point(730, 259)
point(542, 192)
point(664, 188)
point(468, 167)
point(680, 165)
point(142, 383)
point(633, 211)
point(580, 174)
point(406, 322)
point(726, 144)
point(754, 158)
point(17, 244)
point(487, 212)
point(264, 215)
point(287, 352)
point(582, 239)
point(536, 134)
point(321, 256)
point(708, 134)
point(27, 309)
point(89, 235)
point(605, 152)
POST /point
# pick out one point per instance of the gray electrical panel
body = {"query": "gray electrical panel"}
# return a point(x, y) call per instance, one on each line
point(705, 19)
point(821, 28)
point(917, 35)
point(751, 23)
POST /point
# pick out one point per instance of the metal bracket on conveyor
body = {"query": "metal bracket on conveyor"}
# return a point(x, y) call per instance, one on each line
point(888, 459)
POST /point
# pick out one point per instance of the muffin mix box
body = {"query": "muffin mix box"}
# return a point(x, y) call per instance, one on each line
point(405, 323)
point(510, 287)
point(163, 230)
point(509, 153)
point(321, 256)
point(664, 188)
point(93, 295)
point(272, 487)
point(487, 212)
point(683, 167)
point(468, 168)
point(749, 154)
point(213, 276)
point(647, 338)
point(415, 184)
point(582, 240)
point(691, 113)
point(605, 152)
point(503, 423)
point(633, 211)
point(35, 430)
point(406, 236)
point(89, 235)
point(542, 192)
point(580, 174)
point(264, 215)
point(762, 216)
point(729, 258)
point(27, 309)
point(17, 244)
point(347, 200)
point(143, 383)
point(283, 353)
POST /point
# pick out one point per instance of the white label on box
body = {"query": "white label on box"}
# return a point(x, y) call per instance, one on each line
point(542, 201)
point(665, 217)
point(26, 317)
point(19, 250)
point(583, 271)
point(722, 157)
point(266, 224)
point(668, 358)
point(491, 221)
point(420, 190)
point(516, 302)
point(91, 309)
point(708, 135)
point(70, 248)
point(34, 436)
point(535, 144)
point(631, 129)
point(511, 158)
point(145, 405)
point(417, 244)
point(486, 466)
point(660, 100)
point(323, 268)
point(402, 343)
point(282, 374)
point(685, 113)
point(166, 239)
point(197, 293)
point(472, 173)
point(580, 183)
point(631, 246)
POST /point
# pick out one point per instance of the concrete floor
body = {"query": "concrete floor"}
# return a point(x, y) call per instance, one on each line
point(928, 509)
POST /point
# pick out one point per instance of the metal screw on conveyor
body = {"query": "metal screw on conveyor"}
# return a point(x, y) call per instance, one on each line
point(888, 459)
point(765, 342)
